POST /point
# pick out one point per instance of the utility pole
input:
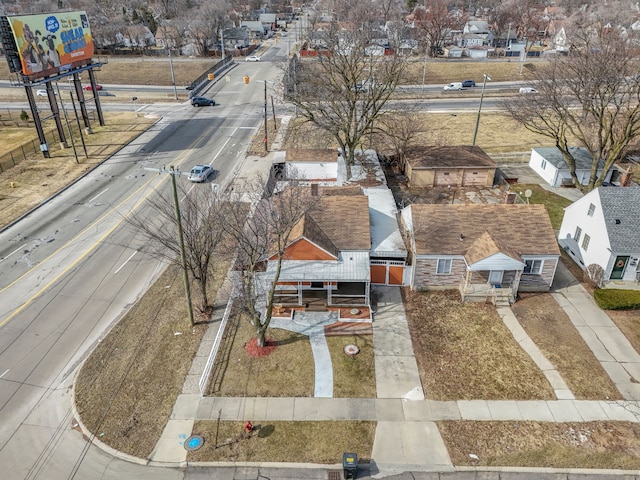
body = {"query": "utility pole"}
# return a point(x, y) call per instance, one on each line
point(484, 84)
point(183, 259)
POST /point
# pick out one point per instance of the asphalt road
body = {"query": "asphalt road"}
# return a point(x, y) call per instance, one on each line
point(69, 270)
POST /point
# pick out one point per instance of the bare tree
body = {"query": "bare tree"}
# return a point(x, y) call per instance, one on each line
point(590, 97)
point(435, 20)
point(343, 89)
point(262, 237)
point(206, 23)
point(400, 129)
point(202, 233)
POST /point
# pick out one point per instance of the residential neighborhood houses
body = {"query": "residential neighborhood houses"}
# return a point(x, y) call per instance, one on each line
point(439, 217)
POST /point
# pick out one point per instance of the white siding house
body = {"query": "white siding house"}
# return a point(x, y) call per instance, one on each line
point(549, 163)
point(603, 228)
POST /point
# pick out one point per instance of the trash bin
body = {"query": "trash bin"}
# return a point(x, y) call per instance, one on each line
point(349, 465)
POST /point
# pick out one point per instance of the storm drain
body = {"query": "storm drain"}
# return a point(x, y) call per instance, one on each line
point(333, 475)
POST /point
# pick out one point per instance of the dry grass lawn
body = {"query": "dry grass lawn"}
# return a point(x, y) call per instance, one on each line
point(599, 445)
point(128, 386)
point(628, 321)
point(299, 442)
point(289, 370)
point(554, 334)
point(465, 352)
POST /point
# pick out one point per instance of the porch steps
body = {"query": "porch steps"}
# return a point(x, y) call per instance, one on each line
point(311, 307)
point(348, 328)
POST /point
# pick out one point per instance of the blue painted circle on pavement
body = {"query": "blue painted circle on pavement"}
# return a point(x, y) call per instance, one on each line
point(194, 442)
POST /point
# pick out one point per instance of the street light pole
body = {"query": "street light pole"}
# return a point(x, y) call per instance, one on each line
point(484, 84)
point(266, 142)
point(173, 77)
point(183, 258)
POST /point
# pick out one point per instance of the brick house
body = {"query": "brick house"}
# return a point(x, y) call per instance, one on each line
point(486, 251)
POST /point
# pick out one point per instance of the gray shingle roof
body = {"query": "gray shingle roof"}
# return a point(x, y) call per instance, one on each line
point(623, 205)
point(554, 156)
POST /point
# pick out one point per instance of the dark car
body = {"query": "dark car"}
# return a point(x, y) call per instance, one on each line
point(202, 102)
point(468, 83)
point(200, 173)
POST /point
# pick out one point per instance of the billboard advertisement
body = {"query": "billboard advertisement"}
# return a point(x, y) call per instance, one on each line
point(51, 43)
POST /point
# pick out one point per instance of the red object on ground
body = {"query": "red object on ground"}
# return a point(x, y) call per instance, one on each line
point(252, 348)
point(248, 427)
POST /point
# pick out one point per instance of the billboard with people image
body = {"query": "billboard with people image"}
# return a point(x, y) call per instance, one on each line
point(51, 43)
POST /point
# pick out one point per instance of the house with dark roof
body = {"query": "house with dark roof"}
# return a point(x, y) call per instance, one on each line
point(431, 166)
point(603, 228)
point(487, 252)
point(326, 261)
point(549, 163)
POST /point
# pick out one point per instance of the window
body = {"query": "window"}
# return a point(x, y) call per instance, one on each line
point(592, 208)
point(585, 242)
point(543, 164)
point(444, 266)
point(576, 236)
point(533, 267)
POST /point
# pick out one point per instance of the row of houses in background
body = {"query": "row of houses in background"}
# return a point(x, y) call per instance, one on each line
point(247, 33)
point(485, 251)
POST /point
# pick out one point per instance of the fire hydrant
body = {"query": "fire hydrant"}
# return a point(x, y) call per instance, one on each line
point(248, 427)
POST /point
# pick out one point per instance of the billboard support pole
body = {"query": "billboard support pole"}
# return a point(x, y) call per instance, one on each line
point(83, 106)
point(96, 96)
point(55, 111)
point(44, 147)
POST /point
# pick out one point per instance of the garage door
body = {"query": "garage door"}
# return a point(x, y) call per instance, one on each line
point(471, 177)
point(444, 177)
point(387, 272)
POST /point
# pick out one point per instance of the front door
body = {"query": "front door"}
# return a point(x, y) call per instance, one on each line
point(618, 268)
point(495, 277)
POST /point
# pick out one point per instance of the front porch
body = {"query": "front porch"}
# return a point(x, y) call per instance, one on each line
point(495, 286)
point(341, 295)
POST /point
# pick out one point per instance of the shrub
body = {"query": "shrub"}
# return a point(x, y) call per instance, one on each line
point(594, 275)
point(615, 299)
point(24, 116)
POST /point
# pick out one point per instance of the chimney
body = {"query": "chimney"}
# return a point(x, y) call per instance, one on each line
point(625, 180)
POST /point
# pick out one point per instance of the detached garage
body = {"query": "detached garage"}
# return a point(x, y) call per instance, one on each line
point(451, 165)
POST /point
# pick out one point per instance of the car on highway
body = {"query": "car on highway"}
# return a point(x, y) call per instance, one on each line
point(528, 90)
point(454, 86)
point(43, 93)
point(252, 58)
point(468, 83)
point(90, 88)
point(202, 102)
point(200, 173)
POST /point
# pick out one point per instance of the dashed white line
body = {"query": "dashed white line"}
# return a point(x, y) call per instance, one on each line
point(98, 195)
point(16, 250)
point(5, 372)
point(125, 262)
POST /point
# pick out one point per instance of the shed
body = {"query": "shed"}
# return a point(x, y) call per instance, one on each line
point(549, 163)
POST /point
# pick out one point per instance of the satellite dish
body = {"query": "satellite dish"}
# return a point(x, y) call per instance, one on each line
point(528, 193)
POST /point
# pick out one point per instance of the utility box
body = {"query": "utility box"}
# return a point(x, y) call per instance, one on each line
point(349, 465)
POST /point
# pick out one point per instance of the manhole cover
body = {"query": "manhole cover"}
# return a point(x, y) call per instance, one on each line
point(194, 442)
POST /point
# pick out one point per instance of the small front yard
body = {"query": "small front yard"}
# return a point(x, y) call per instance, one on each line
point(464, 351)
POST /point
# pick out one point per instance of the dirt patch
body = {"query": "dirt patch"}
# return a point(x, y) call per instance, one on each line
point(554, 334)
point(601, 445)
point(464, 351)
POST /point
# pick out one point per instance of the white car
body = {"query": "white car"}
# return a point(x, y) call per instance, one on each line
point(454, 86)
point(528, 90)
point(200, 173)
point(41, 93)
point(252, 58)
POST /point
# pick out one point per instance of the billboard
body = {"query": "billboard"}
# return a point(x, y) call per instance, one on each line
point(51, 43)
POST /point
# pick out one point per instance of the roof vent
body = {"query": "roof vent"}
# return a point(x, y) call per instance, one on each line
point(618, 221)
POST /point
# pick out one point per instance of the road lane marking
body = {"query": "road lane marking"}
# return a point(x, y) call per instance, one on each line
point(98, 195)
point(16, 250)
point(125, 262)
point(5, 372)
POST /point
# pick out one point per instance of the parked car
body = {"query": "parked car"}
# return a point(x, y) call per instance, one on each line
point(359, 88)
point(200, 173)
point(453, 86)
point(89, 87)
point(202, 102)
point(43, 93)
point(252, 58)
point(468, 83)
point(528, 90)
